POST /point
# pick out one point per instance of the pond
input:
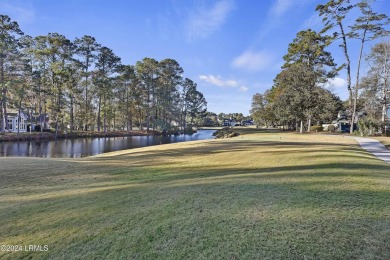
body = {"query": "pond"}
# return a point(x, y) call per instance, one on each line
point(82, 147)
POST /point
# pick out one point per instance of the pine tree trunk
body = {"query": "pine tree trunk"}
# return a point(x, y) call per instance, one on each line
point(348, 65)
point(86, 95)
point(19, 109)
point(98, 115)
point(104, 118)
point(71, 114)
point(4, 118)
point(41, 122)
point(357, 81)
point(127, 110)
point(57, 115)
point(114, 121)
point(384, 105)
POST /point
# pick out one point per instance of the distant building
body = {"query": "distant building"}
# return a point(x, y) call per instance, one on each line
point(37, 120)
point(247, 122)
point(16, 120)
point(26, 123)
point(342, 123)
point(229, 122)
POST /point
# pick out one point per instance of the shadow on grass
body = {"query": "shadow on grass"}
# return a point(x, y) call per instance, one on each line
point(326, 175)
point(128, 204)
point(206, 148)
point(238, 206)
point(316, 211)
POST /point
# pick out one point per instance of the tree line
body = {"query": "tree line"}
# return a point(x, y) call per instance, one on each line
point(299, 97)
point(82, 85)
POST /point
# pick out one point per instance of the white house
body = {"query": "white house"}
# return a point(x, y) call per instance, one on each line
point(12, 121)
point(229, 122)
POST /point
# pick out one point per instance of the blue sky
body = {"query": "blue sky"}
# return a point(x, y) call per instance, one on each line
point(231, 48)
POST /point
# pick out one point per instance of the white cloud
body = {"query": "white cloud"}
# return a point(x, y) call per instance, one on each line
point(17, 13)
point(254, 61)
point(220, 82)
point(313, 22)
point(278, 14)
point(204, 22)
point(243, 89)
point(281, 6)
point(336, 83)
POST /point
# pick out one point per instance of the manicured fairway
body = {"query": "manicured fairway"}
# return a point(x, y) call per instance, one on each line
point(256, 196)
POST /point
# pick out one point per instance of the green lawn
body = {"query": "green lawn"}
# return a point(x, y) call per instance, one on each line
point(256, 196)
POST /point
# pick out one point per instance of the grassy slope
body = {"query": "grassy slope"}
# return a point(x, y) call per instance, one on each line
point(255, 196)
point(383, 140)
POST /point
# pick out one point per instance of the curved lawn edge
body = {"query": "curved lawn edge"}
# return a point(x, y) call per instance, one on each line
point(374, 147)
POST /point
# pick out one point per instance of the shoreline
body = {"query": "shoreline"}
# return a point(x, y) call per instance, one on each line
point(27, 136)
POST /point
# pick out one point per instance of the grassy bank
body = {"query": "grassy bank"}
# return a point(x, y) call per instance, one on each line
point(256, 196)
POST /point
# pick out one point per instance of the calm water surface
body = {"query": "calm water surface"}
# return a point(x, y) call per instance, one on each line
point(82, 147)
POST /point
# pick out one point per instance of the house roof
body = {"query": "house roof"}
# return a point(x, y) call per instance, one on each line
point(36, 117)
point(14, 112)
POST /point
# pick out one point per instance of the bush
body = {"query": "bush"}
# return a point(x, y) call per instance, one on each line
point(225, 133)
point(331, 128)
point(363, 127)
point(234, 134)
point(189, 130)
point(317, 128)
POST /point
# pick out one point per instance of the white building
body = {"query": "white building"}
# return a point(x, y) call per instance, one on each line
point(229, 122)
point(12, 121)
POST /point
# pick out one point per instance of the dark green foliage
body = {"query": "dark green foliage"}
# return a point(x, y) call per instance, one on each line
point(82, 85)
point(297, 94)
point(9, 54)
point(189, 130)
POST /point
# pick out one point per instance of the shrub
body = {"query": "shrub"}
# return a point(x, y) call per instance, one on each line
point(331, 128)
point(189, 130)
point(317, 128)
point(47, 130)
point(225, 133)
point(363, 127)
point(233, 134)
